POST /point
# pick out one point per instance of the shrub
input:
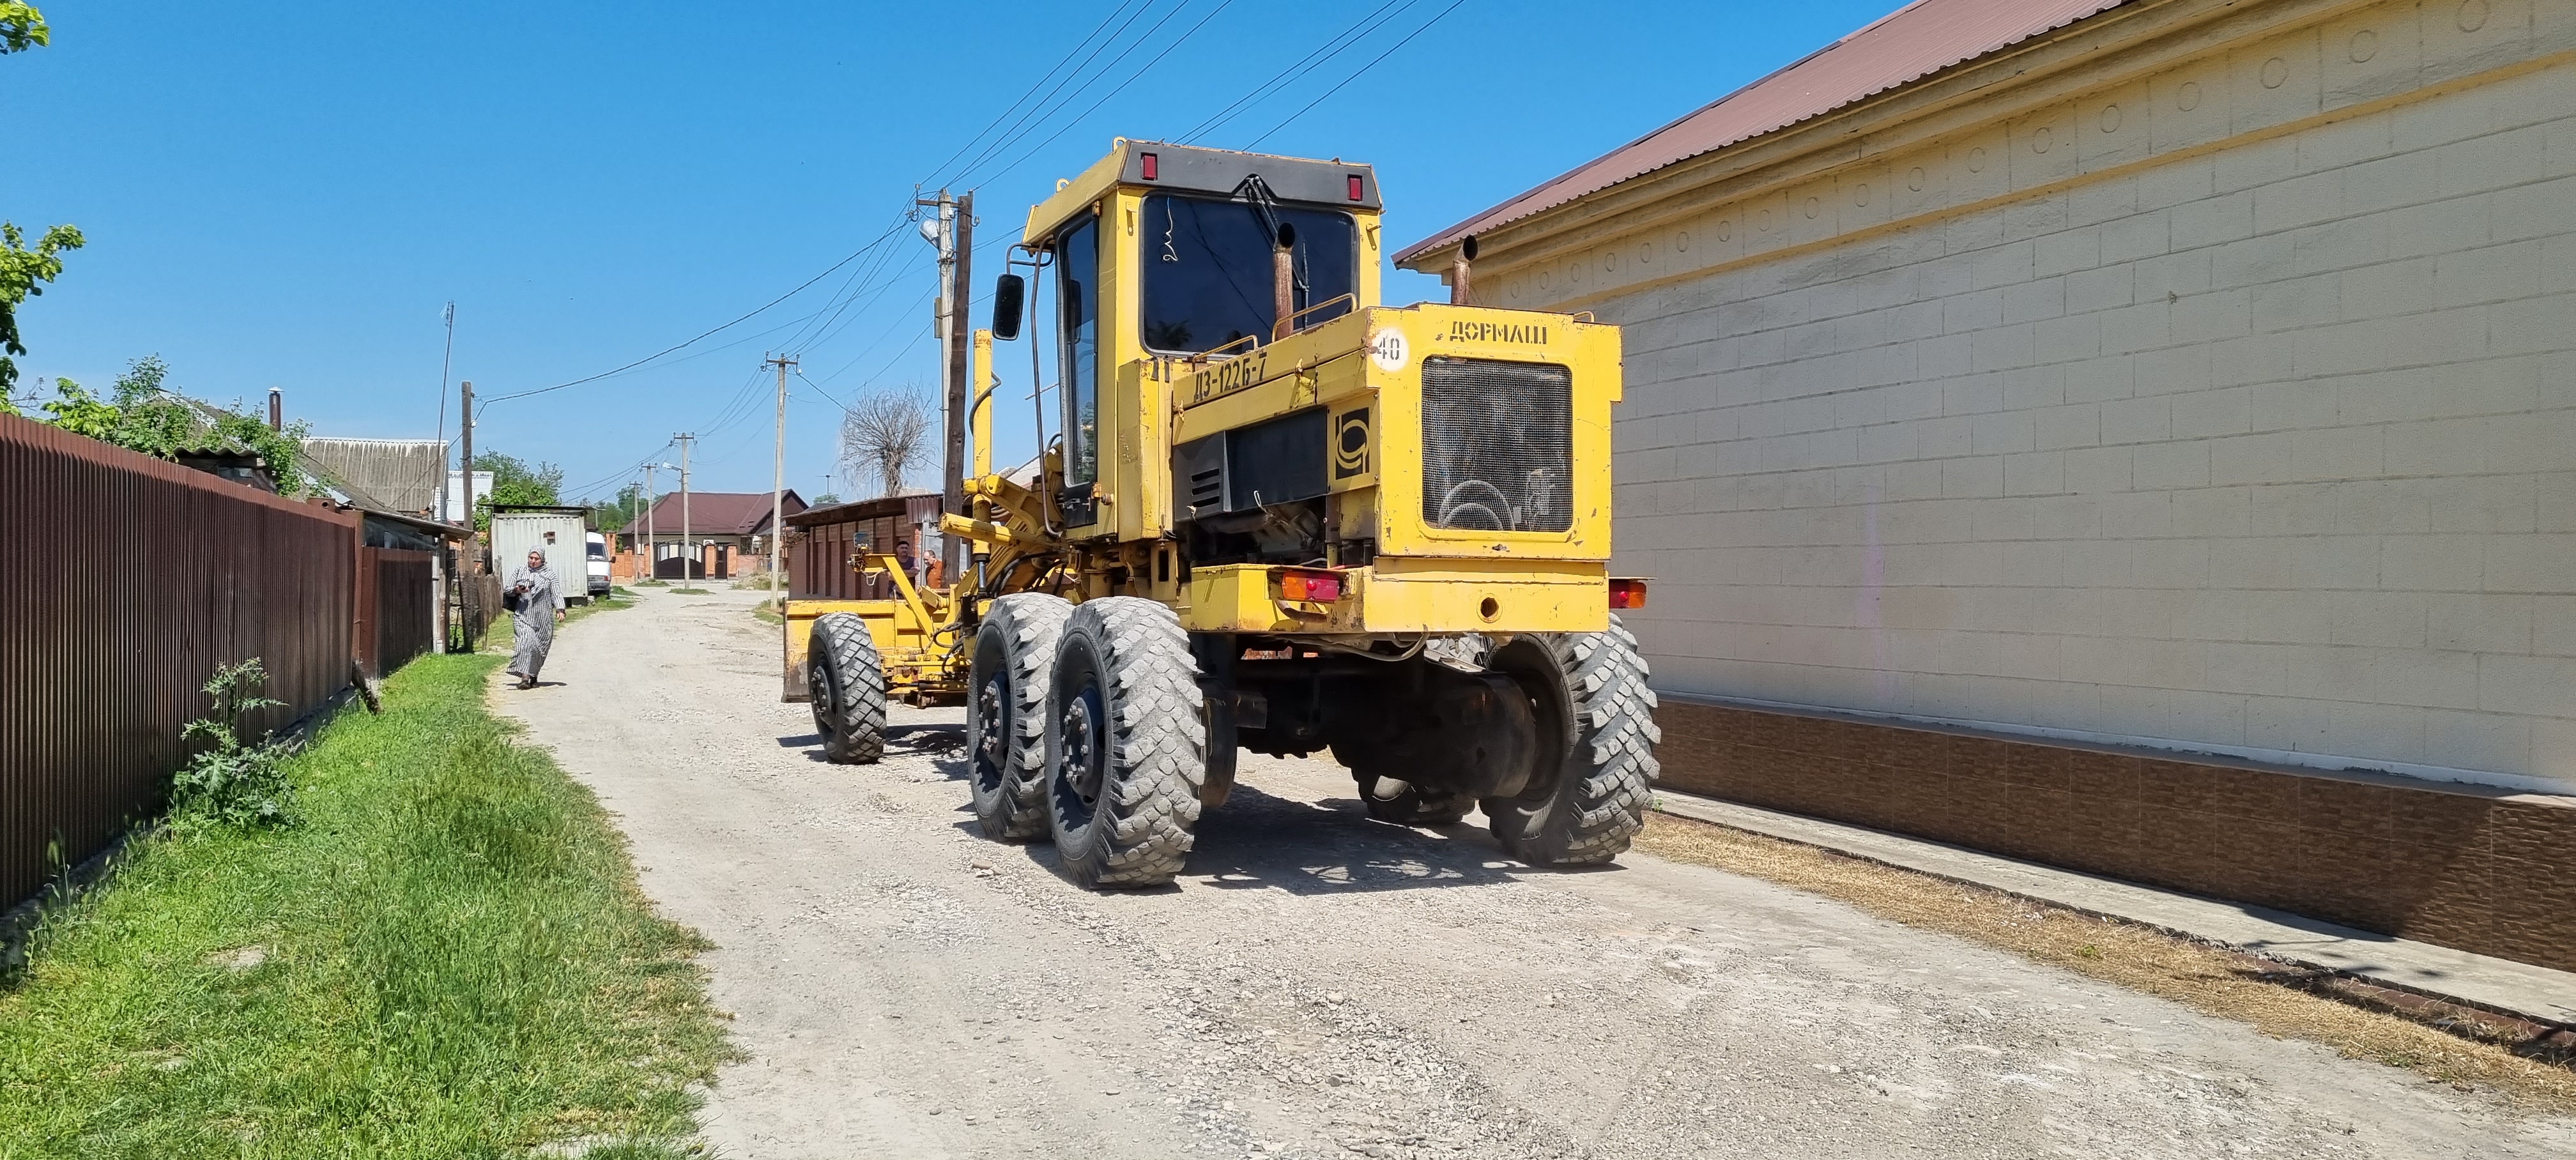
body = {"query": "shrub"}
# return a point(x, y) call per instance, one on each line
point(231, 783)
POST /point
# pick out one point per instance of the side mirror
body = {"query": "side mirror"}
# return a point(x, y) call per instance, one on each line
point(1010, 293)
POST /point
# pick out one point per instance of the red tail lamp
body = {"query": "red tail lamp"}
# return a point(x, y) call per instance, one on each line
point(1627, 594)
point(1151, 164)
point(1319, 587)
point(1355, 187)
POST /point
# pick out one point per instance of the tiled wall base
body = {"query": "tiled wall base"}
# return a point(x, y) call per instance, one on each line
point(2484, 870)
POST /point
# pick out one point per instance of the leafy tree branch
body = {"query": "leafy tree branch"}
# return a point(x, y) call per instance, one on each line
point(22, 27)
point(23, 274)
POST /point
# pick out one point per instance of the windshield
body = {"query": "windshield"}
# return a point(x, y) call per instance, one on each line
point(1207, 270)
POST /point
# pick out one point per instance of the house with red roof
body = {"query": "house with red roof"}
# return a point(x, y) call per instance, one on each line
point(727, 531)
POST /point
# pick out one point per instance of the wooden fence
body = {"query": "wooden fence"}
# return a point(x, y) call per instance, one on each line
point(131, 580)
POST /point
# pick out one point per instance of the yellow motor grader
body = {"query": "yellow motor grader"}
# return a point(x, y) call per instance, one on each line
point(1277, 516)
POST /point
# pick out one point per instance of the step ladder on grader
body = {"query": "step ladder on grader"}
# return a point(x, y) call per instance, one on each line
point(1278, 517)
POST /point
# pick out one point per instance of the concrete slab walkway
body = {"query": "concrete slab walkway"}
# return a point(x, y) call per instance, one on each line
point(2536, 993)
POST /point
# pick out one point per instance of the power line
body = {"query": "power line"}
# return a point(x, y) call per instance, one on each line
point(800, 288)
point(1031, 91)
point(1132, 78)
point(997, 147)
point(1355, 31)
point(1059, 86)
point(1408, 39)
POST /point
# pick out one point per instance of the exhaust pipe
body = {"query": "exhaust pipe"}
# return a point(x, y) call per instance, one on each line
point(1458, 293)
point(1283, 282)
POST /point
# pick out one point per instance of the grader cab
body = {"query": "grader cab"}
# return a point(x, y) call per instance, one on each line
point(1275, 516)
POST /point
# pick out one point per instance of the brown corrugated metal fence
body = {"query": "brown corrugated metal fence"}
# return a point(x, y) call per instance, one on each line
point(127, 582)
point(396, 603)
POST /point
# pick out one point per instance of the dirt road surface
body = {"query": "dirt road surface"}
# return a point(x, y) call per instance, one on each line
point(1321, 985)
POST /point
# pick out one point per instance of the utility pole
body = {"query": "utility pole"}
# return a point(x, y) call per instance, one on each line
point(465, 416)
point(684, 439)
point(961, 296)
point(778, 475)
point(778, 502)
point(445, 363)
point(956, 242)
point(652, 561)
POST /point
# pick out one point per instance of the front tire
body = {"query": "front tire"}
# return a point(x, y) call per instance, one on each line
point(1590, 688)
point(1126, 746)
point(846, 685)
point(1006, 727)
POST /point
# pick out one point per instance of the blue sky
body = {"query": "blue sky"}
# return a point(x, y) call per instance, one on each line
point(286, 196)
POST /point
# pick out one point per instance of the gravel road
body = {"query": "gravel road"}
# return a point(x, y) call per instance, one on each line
point(1320, 985)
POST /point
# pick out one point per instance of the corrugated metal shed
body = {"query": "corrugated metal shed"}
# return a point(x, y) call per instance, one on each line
point(1904, 46)
point(827, 544)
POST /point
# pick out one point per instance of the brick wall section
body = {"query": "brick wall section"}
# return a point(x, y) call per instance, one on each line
point(2269, 447)
point(2463, 866)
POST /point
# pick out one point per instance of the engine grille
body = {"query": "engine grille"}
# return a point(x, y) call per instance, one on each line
point(1497, 445)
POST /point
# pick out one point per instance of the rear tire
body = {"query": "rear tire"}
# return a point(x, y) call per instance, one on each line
point(1586, 813)
point(1006, 722)
point(847, 687)
point(1126, 747)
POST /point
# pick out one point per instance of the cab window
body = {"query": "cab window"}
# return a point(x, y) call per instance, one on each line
point(1207, 270)
point(1077, 264)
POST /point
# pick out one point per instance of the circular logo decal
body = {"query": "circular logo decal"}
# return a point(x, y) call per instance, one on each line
point(1386, 348)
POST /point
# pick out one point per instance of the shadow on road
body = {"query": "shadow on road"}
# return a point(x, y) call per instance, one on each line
point(933, 741)
point(1258, 841)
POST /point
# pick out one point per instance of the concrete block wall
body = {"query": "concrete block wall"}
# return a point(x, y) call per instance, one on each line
point(2269, 449)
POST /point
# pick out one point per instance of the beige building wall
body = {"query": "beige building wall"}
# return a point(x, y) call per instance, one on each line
point(2230, 405)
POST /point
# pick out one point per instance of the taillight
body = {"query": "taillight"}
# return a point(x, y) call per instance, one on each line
point(1319, 587)
point(1356, 193)
point(1149, 166)
point(1627, 594)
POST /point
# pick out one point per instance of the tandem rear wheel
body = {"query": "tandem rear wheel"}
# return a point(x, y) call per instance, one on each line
point(1097, 726)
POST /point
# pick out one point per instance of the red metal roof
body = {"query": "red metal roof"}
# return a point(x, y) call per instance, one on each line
point(720, 513)
point(1908, 44)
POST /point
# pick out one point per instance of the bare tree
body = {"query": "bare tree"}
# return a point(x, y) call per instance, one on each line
point(886, 434)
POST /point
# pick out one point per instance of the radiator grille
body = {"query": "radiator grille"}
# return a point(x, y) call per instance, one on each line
point(1497, 445)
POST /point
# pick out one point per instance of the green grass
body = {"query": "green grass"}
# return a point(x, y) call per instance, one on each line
point(690, 592)
point(767, 611)
point(447, 957)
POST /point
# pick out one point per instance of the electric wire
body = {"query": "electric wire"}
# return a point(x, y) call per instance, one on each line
point(1363, 69)
point(1356, 30)
point(1016, 131)
point(971, 142)
point(800, 288)
point(1121, 87)
point(1132, 78)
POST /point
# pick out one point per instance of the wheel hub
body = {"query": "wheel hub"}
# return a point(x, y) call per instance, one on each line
point(1081, 748)
point(818, 691)
point(988, 723)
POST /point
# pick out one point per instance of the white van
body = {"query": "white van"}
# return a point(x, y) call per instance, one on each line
point(596, 555)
